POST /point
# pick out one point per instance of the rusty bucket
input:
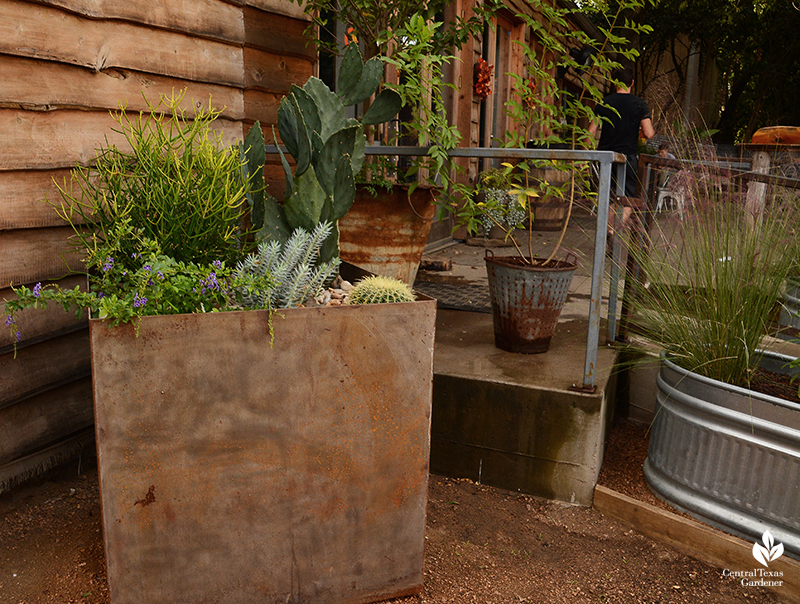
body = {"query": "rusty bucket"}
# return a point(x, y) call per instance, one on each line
point(526, 301)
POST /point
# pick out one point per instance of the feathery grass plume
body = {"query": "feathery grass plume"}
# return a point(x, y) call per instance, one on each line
point(380, 290)
point(292, 266)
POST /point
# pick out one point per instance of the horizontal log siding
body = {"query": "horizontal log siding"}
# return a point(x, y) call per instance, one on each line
point(22, 198)
point(42, 367)
point(204, 18)
point(45, 418)
point(65, 65)
point(31, 255)
point(36, 140)
point(41, 85)
point(41, 32)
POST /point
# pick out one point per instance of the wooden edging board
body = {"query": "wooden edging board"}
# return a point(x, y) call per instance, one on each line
point(695, 539)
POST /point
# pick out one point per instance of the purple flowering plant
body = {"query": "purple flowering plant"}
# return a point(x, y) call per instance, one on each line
point(126, 286)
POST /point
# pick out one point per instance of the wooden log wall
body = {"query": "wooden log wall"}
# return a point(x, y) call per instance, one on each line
point(65, 65)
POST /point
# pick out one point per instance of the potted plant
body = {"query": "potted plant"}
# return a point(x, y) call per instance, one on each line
point(528, 293)
point(390, 222)
point(396, 201)
point(245, 451)
point(713, 278)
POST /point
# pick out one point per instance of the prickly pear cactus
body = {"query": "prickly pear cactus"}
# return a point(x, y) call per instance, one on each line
point(328, 148)
point(380, 290)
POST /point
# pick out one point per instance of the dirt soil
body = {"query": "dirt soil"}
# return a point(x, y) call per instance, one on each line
point(482, 544)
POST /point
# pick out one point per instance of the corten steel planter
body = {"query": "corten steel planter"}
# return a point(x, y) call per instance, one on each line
point(386, 235)
point(727, 455)
point(526, 301)
point(232, 471)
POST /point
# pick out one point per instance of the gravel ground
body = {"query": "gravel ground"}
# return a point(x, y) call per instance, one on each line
point(483, 545)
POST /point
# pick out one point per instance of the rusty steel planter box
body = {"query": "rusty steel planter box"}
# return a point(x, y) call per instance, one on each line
point(231, 471)
point(727, 455)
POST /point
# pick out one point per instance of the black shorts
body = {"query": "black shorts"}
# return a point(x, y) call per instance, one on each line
point(631, 176)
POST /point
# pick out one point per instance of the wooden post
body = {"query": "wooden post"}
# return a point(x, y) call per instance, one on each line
point(756, 191)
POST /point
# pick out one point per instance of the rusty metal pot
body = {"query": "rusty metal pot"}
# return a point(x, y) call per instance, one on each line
point(527, 300)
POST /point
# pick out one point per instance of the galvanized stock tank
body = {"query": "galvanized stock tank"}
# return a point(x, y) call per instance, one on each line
point(727, 455)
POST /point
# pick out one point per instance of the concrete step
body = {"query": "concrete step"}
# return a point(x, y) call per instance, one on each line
point(510, 420)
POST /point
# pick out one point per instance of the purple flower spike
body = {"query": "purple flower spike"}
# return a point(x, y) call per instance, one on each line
point(108, 265)
point(147, 267)
point(138, 302)
point(18, 336)
point(217, 264)
point(10, 321)
point(37, 290)
point(211, 282)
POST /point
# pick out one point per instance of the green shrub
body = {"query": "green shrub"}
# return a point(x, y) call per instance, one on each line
point(713, 281)
point(178, 185)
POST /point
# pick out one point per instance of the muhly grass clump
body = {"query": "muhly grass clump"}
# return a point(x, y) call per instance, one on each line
point(714, 278)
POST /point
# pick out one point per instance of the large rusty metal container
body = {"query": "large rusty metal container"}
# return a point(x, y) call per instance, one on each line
point(526, 301)
point(386, 234)
point(233, 470)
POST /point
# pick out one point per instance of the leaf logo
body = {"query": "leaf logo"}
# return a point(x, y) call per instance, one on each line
point(769, 551)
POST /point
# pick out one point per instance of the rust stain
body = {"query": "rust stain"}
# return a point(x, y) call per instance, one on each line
point(148, 499)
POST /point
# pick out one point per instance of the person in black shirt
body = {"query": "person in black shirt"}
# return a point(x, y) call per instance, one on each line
point(623, 116)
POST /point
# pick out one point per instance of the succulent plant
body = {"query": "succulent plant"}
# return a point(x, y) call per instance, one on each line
point(328, 149)
point(380, 290)
point(294, 276)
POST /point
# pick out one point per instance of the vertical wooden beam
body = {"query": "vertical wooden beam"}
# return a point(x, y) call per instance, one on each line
point(756, 191)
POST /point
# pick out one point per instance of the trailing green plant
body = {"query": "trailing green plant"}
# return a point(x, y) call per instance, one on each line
point(713, 280)
point(130, 277)
point(178, 185)
point(291, 269)
point(328, 149)
point(380, 290)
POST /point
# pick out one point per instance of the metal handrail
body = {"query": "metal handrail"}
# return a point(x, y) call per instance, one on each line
point(605, 159)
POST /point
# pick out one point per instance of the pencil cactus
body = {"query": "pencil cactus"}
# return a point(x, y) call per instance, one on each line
point(327, 147)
